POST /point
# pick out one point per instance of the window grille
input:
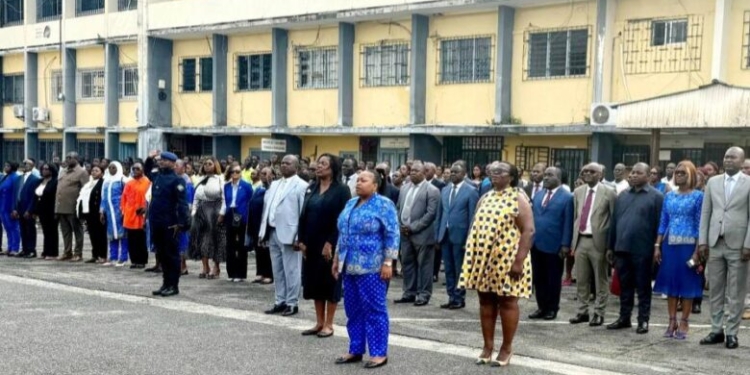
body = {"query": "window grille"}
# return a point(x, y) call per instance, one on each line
point(88, 7)
point(385, 65)
point(11, 13)
point(465, 60)
point(663, 45)
point(123, 5)
point(90, 84)
point(128, 82)
point(48, 149)
point(557, 54)
point(13, 89)
point(196, 74)
point(317, 68)
point(13, 151)
point(528, 156)
point(253, 72)
point(746, 41)
point(48, 10)
point(90, 148)
point(56, 86)
point(472, 150)
point(571, 160)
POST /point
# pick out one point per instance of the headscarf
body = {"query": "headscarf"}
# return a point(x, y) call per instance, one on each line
point(119, 176)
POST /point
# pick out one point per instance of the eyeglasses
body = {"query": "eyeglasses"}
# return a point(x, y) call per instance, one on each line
point(235, 172)
point(588, 171)
point(136, 168)
point(680, 173)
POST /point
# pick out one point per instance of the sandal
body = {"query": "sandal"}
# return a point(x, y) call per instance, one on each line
point(201, 275)
point(682, 335)
point(671, 328)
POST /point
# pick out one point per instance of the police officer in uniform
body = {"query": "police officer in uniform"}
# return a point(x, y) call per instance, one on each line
point(168, 215)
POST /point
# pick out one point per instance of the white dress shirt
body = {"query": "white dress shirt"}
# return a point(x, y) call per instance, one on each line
point(591, 209)
point(622, 186)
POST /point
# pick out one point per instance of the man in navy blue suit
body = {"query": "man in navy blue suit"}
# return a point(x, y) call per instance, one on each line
point(553, 220)
point(25, 208)
point(458, 201)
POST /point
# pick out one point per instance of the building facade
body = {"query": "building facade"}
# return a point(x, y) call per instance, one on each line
point(438, 80)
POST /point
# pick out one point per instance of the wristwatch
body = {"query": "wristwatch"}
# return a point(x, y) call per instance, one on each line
point(388, 263)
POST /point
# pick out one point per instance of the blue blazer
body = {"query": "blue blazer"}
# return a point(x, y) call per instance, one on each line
point(9, 187)
point(27, 196)
point(553, 225)
point(459, 214)
point(244, 193)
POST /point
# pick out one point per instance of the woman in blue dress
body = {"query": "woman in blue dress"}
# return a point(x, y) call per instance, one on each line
point(679, 271)
point(9, 187)
point(111, 214)
point(367, 246)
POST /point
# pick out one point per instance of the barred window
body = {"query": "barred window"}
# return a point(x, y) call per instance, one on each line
point(317, 68)
point(385, 65)
point(664, 32)
point(48, 10)
point(746, 40)
point(128, 82)
point(11, 12)
point(90, 84)
point(56, 86)
point(87, 7)
point(558, 54)
point(466, 60)
point(123, 5)
point(13, 89)
point(254, 72)
point(197, 74)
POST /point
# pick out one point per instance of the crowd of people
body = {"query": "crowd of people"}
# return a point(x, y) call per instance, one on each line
point(328, 229)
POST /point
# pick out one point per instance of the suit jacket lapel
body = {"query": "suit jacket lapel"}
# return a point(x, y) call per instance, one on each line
point(597, 199)
point(739, 183)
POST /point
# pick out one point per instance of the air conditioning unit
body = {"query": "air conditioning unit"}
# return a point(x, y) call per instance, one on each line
point(18, 110)
point(39, 114)
point(603, 114)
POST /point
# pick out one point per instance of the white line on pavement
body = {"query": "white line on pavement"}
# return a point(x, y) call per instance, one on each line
point(535, 322)
point(299, 325)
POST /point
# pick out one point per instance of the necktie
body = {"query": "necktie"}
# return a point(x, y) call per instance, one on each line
point(453, 195)
point(547, 198)
point(536, 190)
point(406, 212)
point(585, 211)
point(728, 189)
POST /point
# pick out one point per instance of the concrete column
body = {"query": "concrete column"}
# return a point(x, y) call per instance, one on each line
point(224, 145)
point(602, 146)
point(346, 73)
point(420, 30)
point(603, 36)
point(112, 145)
point(111, 86)
point(31, 100)
point(655, 146)
point(70, 143)
point(151, 139)
point(425, 147)
point(722, 18)
point(69, 87)
point(69, 9)
point(157, 103)
point(29, 10)
point(504, 57)
point(280, 44)
point(293, 144)
point(220, 50)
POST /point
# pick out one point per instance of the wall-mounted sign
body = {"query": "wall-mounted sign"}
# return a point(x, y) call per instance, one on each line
point(394, 142)
point(272, 145)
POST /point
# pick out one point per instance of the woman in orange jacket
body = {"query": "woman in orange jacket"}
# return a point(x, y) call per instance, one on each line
point(134, 215)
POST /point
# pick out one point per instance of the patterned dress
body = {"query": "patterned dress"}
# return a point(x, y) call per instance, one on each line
point(492, 246)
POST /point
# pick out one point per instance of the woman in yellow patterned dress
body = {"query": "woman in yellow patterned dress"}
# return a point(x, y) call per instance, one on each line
point(496, 263)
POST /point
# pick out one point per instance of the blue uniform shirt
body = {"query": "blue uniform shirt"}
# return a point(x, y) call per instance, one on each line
point(168, 201)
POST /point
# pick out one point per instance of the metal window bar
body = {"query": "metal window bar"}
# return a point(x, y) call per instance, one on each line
point(11, 13)
point(48, 10)
point(643, 54)
point(253, 72)
point(206, 75)
point(48, 149)
point(473, 150)
point(385, 64)
point(12, 89)
point(745, 62)
point(188, 73)
point(715, 152)
point(571, 160)
point(90, 84)
point(123, 5)
point(630, 155)
point(128, 82)
point(13, 151)
point(90, 148)
point(465, 60)
point(128, 150)
point(56, 86)
point(317, 68)
point(557, 54)
point(528, 156)
point(88, 7)
point(695, 155)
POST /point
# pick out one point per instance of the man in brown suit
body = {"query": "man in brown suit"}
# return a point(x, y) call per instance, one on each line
point(593, 205)
point(69, 185)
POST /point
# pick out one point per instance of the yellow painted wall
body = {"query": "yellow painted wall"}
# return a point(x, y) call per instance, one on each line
point(737, 74)
point(190, 109)
point(375, 106)
point(555, 100)
point(128, 137)
point(89, 58)
point(12, 64)
point(88, 137)
point(128, 54)
point(312, 107)
point(250, 108)
point(90, 113)
point(472, 103)
point(569, 142)
point(640, 86)
point(330, 144)
point(128, 57)
point(13, 136)
point(50, 136)
point(249, 142)
point(47, 63)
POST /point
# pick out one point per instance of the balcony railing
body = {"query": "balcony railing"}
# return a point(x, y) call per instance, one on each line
point(89, 7)
point(123, 5)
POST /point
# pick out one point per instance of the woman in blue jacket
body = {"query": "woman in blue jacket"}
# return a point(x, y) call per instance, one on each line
point(234, 213)
point(111, 214)
point(9, 187)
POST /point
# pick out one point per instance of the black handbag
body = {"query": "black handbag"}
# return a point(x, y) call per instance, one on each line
point(236, 220)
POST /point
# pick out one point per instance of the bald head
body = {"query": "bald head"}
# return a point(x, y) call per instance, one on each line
point(289, 166)
point(733, 159)
point(639, 175)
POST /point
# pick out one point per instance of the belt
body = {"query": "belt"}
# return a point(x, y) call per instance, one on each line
point(586, 235)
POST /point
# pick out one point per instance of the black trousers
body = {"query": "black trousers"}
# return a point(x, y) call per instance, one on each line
point(51, 246)
point(97, 235)
point(263, 266)
point(634, 271)
point(137, 246)
point(28, 235)
point(165, 243)
point(547, 270)
point(438, 260)
point(236, 252)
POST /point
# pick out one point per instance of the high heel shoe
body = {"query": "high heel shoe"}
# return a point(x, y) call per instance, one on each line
point(671, 328)
point(682, 335)
point(483, 361)
point(504, 363)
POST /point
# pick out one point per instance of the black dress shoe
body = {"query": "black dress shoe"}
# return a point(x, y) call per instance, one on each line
point(276, 309)
point(713, 338)
point(732, 342)
point(351, 359)
point(580, 318)
point(158, 292)
point(153, 269)
point(33, 255)
point(550, 315)
point(620, 323)
point(434, 279)
point(696, 309)
point(290, 310)
point(457, 306)
point(371, 364)
point(537, 314)
point(446, 305)
point(597, 321)
point(421, 302)
point(642, 328)
point(171, 291)
point(405, 300)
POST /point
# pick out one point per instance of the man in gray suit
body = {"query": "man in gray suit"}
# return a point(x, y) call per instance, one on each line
point(282, 206)
point(593, 206)
point(418, 205)
point(724, 221)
